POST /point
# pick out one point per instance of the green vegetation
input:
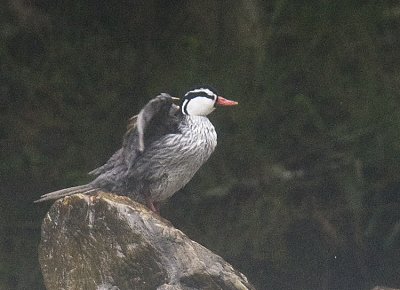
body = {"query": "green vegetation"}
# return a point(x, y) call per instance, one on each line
point(303, 190)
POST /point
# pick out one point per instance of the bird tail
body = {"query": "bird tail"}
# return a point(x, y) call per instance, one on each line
point(85, 189)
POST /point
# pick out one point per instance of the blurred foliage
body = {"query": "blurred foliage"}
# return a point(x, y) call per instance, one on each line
point(303, 190)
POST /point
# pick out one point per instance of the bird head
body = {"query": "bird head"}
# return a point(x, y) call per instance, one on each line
point(201, 101)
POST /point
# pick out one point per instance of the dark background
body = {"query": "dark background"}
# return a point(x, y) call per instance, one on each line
point(303, 189)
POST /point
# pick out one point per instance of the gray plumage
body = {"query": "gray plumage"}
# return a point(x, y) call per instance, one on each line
point(162, 149)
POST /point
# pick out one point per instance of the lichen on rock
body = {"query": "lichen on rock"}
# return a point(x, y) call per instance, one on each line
point(111, 242)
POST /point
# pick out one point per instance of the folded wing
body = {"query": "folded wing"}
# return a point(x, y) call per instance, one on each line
point(160, 116)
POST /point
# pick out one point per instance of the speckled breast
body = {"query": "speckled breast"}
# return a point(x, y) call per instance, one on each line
point(177, 157)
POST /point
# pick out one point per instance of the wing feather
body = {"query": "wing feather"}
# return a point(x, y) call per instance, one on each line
point(160, 116)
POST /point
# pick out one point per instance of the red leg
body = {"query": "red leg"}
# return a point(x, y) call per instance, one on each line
point(156, 206)
point(153, 206)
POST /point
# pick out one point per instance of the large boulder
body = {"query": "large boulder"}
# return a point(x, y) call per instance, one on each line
point(111, 242)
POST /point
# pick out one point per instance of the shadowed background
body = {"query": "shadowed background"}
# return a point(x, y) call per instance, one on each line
point(303, 189)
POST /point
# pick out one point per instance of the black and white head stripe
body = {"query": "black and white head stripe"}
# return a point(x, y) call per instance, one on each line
point(199, 93)
point(203, 92)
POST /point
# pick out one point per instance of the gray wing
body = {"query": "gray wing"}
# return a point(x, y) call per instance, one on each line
point(160, 116)
point(109, 165)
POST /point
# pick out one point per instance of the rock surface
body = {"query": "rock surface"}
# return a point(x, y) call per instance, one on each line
point(112, 242)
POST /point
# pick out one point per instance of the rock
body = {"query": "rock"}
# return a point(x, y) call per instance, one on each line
point(111, 242)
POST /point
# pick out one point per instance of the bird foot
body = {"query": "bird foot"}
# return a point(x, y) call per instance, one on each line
point(153, 206)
